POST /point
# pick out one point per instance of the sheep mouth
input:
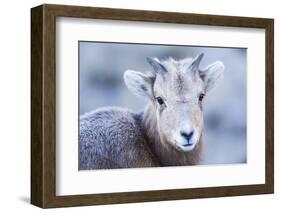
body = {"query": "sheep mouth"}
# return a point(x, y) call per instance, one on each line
point(184, 147)
point(187, 144)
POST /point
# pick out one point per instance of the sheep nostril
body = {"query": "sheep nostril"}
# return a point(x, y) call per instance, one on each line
point(186, 135)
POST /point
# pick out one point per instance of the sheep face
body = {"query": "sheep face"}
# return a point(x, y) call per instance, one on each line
point(176, 90)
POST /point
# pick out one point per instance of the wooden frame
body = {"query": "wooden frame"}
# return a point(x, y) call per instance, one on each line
point(43, 105)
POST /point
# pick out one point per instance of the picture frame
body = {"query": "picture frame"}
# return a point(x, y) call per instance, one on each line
point(43, 105)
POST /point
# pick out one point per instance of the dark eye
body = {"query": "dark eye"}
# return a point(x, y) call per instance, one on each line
point(160, 100)
point(201, 96)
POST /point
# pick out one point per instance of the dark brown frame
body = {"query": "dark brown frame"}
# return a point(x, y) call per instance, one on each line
point(43, 105)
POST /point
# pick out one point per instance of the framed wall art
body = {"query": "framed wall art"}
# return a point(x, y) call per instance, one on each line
point(134, 106)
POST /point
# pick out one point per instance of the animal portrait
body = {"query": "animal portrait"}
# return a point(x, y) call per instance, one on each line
point(153, 115)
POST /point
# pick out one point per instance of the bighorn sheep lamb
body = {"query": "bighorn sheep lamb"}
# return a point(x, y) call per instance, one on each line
point(167, 133)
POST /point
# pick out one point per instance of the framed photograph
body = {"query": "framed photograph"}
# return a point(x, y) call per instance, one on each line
point(135, 106)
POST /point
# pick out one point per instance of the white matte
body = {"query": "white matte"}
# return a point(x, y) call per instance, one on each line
point(70, 181)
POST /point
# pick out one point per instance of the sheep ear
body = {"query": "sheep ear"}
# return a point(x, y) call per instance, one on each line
point(212, 74)
point(139, 83)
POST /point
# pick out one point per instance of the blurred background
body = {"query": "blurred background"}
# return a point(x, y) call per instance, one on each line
point(101, 68)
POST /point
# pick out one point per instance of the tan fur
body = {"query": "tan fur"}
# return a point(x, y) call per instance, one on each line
point(166, 154)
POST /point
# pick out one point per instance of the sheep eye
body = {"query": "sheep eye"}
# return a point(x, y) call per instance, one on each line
point(160, 100)
point(201, 96)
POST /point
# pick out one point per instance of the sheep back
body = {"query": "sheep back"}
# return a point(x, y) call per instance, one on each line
point(113, 138)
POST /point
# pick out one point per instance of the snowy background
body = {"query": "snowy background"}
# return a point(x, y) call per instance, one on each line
point(101, 68)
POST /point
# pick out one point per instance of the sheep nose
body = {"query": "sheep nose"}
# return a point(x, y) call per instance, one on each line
point(187, 135)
